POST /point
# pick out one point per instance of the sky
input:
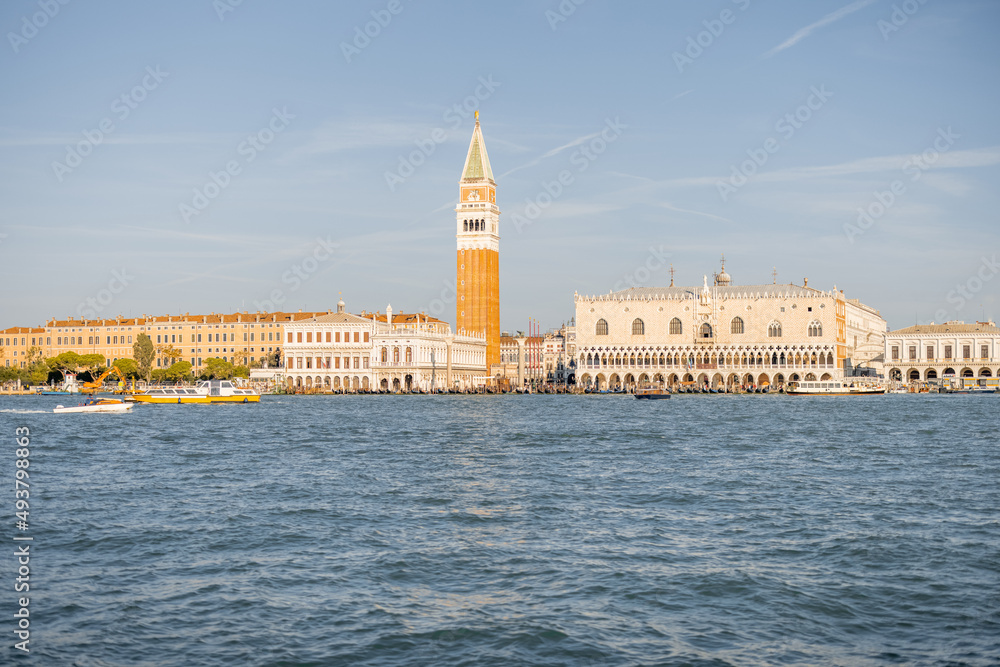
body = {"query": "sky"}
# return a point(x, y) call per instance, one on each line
point(204, 156)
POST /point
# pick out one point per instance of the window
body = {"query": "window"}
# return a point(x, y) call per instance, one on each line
point(309, 337)
point(737, 326)
point(328, 336)
point(602, 327)
point(357, 362)
point(357, 339)
point(199, 338)
point(705, 331)
point(947, 351)
point(158, 338)
point(409, 355)
point(638, 327)
point(815, 329)
point(913, 352)
point(895, 352)
point(675, 326)
point(774, 330)
point(984, 351)
point(966, 351)
point(299, 337)
point(338, 337)
point(395, 355)
point(385, 355)
point(930, 352)
point(366, 340)
point(289, 336)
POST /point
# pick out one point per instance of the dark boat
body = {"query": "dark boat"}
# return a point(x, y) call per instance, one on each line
point(652, 393)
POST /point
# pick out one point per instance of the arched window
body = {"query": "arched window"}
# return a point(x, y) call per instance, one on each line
point(465, 225)
point(385, 355)
point(815, 328)
point(395, 355)
point(638, 327)
point(602, 327)
point(737, 325)
point(675, 326)
point(774, 329)
point(706, 330)
point(409, 355)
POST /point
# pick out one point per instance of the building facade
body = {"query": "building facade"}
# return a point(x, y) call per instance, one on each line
point(240, 338)
point(381, 352)
point(953, 349)
point(478, 258)
point(720, 335)
point(20, 346)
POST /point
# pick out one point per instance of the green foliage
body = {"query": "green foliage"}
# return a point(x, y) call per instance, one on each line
point(179, 371)
point(241, 372)
point(143, 353)
point(217, 369)
point(36, 373)
point(65, 362)
point(128, 367)
point(8, 373)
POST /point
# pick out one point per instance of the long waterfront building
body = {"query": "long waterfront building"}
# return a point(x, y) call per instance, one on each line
point(723, 335)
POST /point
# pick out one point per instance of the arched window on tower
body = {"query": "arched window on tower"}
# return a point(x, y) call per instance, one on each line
point(638, 327)
point(737, 325)
point(675, 326)
point(602, 327)
point(465, 225)
point(774, 329)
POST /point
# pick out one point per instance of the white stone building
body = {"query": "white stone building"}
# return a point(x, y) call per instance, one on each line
point(953, 349)
point(371, 352)
point(722, 335)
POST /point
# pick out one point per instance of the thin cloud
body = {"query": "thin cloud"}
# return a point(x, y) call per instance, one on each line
point(554, 151)
point(802, 33)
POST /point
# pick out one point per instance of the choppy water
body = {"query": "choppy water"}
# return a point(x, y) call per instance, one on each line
point(590, 530)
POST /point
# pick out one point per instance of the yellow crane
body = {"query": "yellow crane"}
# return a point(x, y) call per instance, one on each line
point(95, 386)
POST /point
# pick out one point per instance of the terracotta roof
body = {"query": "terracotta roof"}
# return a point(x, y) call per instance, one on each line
point(213, 318)
point(955, 327)
point(336, 318)
point(22, 330)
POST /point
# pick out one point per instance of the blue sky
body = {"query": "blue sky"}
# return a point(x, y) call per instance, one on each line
point(756, 129)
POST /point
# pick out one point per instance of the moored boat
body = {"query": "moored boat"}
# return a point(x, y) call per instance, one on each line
point(207, 391)
point(652, 393)
point(833, 388)
point(96, 405)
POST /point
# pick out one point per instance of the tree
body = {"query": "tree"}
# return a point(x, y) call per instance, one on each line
point(217, 369)
point(179, 371)
point(65, 362)
point(128, 368)
point(92, 363)
point(241, 372)
point(170, 354)
point(36, 373)
point(143, 353)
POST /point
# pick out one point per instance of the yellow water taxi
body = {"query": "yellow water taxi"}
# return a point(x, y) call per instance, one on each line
point(208, 391)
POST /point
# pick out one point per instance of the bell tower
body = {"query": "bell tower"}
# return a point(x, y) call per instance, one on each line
point(478, 260)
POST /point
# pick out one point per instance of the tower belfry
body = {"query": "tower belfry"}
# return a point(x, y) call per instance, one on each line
point(478, 260)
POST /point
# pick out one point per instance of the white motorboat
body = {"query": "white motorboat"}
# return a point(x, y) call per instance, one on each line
point(97, 405)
